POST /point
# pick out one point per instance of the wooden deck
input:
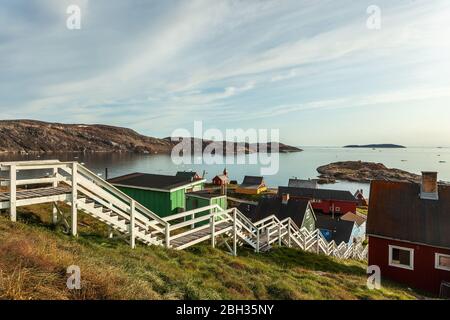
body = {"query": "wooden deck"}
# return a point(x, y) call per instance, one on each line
point(203, 233)
point(36, 193)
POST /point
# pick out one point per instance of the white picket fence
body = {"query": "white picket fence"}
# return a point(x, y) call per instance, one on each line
point(74, 184)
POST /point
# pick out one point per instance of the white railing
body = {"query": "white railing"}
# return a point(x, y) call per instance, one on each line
point(179, 231)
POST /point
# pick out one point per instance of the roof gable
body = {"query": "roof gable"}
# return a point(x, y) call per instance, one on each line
point(253, 181)
point(267, 206)
point(298, 183)
point(396, 211)
point(190, 175)
point(350, 216)
point(150, 181)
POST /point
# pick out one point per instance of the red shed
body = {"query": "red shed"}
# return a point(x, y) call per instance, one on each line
point(409, 232)
point(324, 200)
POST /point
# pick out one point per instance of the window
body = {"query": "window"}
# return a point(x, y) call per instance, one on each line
point(401, 257)
point(442, 261)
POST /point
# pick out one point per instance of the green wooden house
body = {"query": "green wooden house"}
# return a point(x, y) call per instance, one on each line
point(204, 198)
point(163, 194)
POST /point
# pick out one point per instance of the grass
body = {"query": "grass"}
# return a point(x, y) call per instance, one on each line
point(34, 258)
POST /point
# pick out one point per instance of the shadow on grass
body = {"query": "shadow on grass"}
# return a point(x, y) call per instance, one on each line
point(294, 258)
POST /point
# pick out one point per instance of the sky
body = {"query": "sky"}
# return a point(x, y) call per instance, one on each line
point(312, 69)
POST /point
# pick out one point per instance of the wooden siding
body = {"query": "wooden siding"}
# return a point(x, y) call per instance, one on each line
point(424, 276)
point(309, 221)
point(161, 203)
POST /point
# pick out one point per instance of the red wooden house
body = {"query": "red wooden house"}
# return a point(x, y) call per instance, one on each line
point(409, 232)
point(222, 179)
point(362, 201)
point(324, 200)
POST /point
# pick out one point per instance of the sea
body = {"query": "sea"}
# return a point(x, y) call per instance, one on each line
point(301, 165)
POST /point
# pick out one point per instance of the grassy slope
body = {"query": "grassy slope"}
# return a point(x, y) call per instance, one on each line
point(34, 258)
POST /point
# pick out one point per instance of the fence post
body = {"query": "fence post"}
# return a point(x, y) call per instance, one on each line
point(74, 199)
point(257, 240)
point(213, 227)
point(279, 234)
point(132, 224)
point(318, 238)
point(289, 233)
point(54, 209)
point(13, 192)
point(234, 233)
point(167, 235)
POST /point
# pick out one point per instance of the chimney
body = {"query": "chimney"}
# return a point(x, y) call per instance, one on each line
point(285, 198)
point(429, 186)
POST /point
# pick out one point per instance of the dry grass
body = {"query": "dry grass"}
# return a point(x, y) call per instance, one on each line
point(34, 259)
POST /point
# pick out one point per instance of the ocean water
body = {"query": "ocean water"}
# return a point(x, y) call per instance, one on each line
point(301, 165)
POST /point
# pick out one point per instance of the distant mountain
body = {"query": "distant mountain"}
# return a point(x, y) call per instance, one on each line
point(379, 146)
point(26, 136)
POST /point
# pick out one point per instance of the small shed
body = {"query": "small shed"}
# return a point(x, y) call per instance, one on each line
point(252, 185)
point(205, 198)
point(162, 194)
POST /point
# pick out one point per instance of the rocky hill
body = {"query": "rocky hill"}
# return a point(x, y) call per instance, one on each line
point(358, 171)
point(26, 136)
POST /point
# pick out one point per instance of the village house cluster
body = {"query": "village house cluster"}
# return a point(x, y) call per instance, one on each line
point(408, 225)
point(402, 228)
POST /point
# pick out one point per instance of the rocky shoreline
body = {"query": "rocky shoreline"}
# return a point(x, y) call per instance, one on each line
point(363, 172)
point(30, 136)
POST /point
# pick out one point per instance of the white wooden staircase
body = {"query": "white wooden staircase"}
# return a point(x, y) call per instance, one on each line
point(77, 186)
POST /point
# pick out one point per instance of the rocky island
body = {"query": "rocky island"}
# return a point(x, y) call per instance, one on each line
point(377, 146)
point(29, 136)
point(358, 171)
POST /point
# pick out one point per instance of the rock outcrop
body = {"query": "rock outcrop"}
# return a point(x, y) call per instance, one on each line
point(358, 171)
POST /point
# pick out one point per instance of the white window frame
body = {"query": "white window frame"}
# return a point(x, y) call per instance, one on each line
point(436, 261)
point(392, 264)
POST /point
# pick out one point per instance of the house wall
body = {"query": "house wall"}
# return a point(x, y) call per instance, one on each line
point(326, 206)
point(424, 276)
point(161, 203)
point(250, 191)
point(308, 221)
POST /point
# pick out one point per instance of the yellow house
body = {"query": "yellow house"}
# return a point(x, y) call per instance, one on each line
point(252, 185)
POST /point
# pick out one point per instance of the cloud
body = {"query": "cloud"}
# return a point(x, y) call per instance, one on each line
point(155, 65)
